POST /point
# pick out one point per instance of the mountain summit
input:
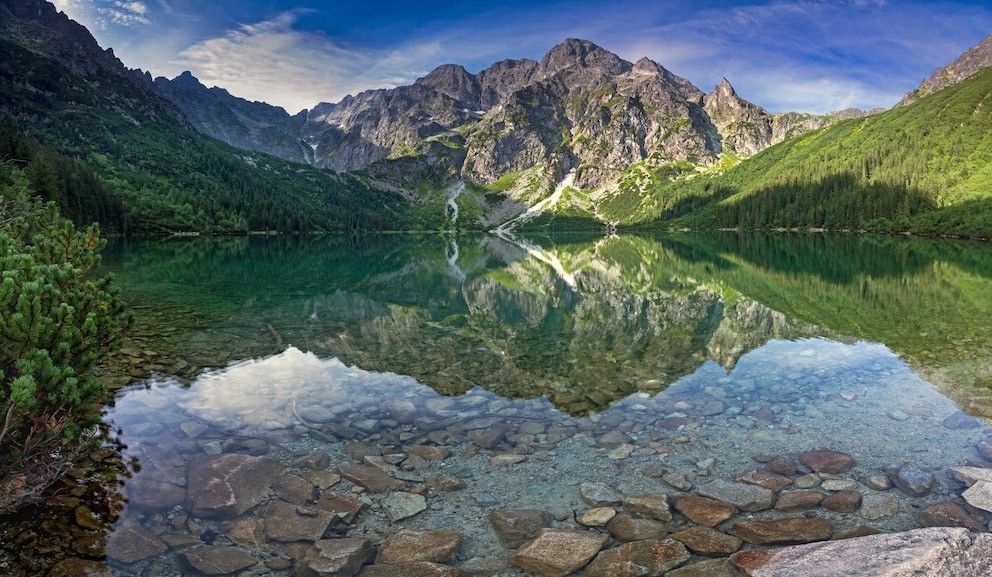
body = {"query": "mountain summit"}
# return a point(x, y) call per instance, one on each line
point(581, 108)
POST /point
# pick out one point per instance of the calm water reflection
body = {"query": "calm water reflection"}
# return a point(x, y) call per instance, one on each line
point(651, 364)
point(583, 322)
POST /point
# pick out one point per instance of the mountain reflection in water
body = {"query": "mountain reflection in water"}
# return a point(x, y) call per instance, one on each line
point(612, 317)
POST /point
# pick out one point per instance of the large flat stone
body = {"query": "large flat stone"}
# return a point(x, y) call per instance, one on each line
point(971, 475)
point(558, 552)
point(131, 543)
point(228, 485)
point(218, 560)
point(654, 506)
point(827, 461)
point(401, 505)
point(411, 546)
point(707, 541)
point(372, 478)
point(287, 522)
point(627, 528)
point(514, 527)
point(800, 530)
point(703, 510)
point(948, 514)
point(336, 557)
point(979, 495)
point(744, 496)
point(639, 559)
point(931, 552)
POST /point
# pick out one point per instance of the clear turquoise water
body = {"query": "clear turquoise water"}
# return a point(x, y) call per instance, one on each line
point(612, 360)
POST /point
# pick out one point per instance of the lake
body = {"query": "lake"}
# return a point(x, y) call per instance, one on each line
point(359, 386)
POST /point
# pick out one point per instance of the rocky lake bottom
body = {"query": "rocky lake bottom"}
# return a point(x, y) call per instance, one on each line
point(299, 465)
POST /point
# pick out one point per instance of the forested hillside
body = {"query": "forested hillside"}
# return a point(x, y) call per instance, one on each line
point(924, 168)
point(106, 149)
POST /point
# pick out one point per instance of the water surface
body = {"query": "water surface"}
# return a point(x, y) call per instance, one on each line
point(651, 364)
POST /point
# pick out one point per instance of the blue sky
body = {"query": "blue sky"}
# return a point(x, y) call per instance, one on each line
point(785, 55)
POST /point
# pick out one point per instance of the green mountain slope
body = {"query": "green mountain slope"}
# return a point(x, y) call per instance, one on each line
point(922, 168)
point(159, 174)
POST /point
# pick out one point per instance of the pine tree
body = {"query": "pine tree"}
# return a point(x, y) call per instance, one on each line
point(56, 321)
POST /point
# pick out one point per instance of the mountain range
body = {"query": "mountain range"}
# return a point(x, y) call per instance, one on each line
point(580, 108)
point(580, 139)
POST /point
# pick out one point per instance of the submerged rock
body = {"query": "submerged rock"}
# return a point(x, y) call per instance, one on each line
point(948, 514)
point(132, 543)
point(80, 568)
point(514, 527)
point(878, 505)
point(410, 546)
point(800, 530)
point(961, 420)
point(626, 528)
point(827, 461)
point(709, 542)
point(912, 480)
point(412, 569)
point(641, 558)
point(710, 568)
point(704, 510)
point(336, 557)
point(654, 506)
point(744, 496)
point(979, 495)
point(218, 560)
point(558, 552)
point(402, 505)
point(599, 495)
point(287, 522)
point(228, 485)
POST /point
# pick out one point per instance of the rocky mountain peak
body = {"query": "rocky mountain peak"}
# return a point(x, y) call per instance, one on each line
point(582, 54)
point(504, 78)
point(724, 98)
point(724, 89)
point(39, 25)
point(974, 59)
point(454, 81)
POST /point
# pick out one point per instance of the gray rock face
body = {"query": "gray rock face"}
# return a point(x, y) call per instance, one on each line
point(976, 58)
point(933, 552)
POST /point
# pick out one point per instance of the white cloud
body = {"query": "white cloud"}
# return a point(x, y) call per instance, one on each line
point(272, 62)
point(98, 15)
point(133, 7)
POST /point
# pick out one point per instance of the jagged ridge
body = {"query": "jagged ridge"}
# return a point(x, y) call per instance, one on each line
point(580, 108)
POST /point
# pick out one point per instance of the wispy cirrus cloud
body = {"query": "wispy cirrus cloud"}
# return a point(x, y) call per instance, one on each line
point(275, 63)
point(100, 14)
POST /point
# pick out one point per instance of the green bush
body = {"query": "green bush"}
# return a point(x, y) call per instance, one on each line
point(56, 321)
